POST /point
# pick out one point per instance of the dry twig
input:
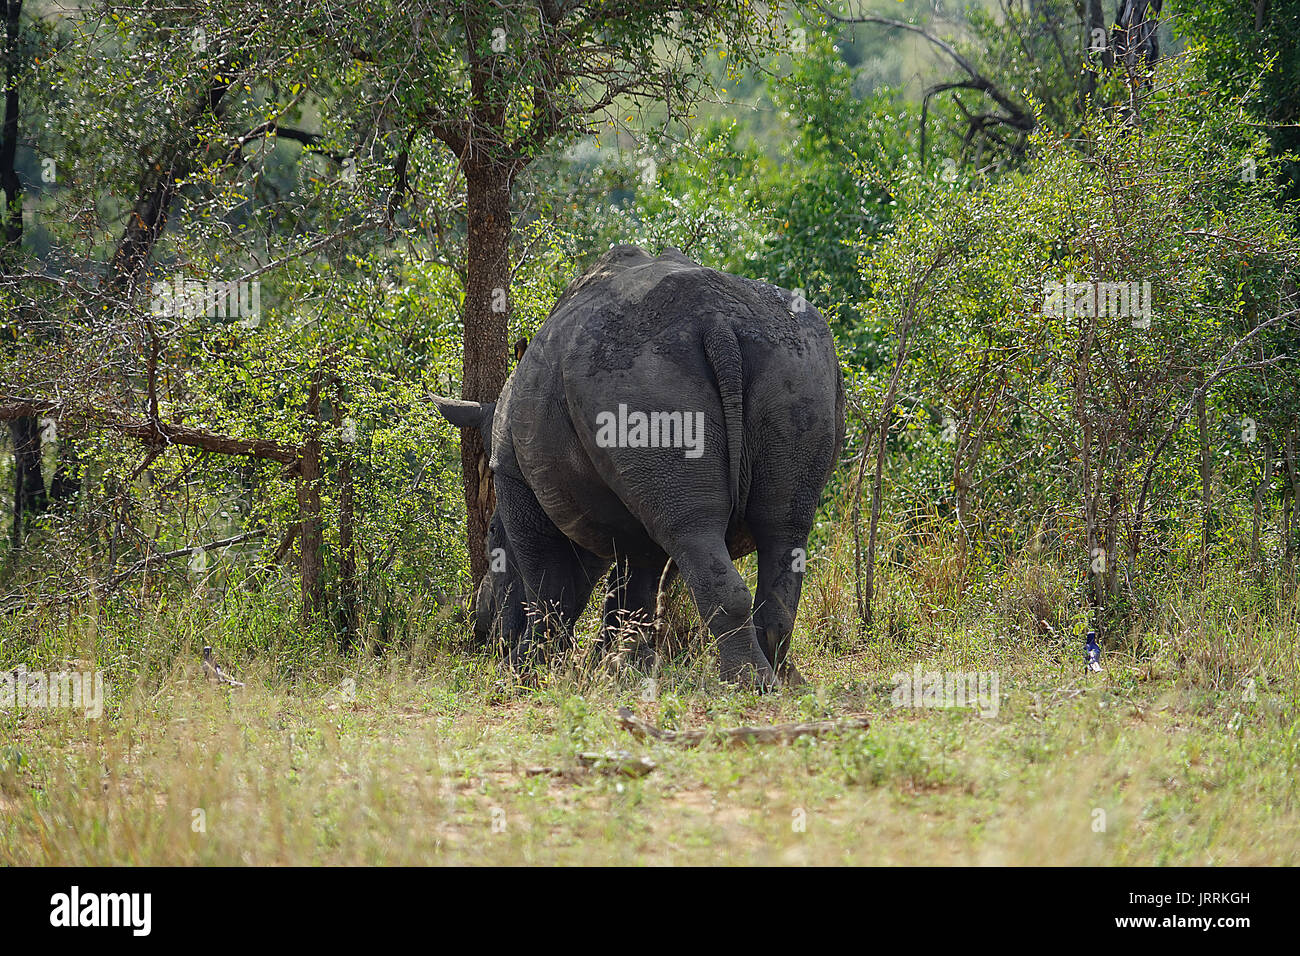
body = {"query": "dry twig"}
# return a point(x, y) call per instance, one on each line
point(777, 734)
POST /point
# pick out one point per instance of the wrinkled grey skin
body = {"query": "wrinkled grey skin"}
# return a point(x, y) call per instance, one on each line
point(660, 334)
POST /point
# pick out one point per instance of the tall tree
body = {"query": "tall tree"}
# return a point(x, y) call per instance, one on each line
point(511, 79)
point(29, 481)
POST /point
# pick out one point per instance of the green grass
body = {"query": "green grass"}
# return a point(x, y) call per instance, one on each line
point(1161, 759)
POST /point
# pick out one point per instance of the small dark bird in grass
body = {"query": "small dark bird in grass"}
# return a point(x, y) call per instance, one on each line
point(214, 673)
point(1093, 652)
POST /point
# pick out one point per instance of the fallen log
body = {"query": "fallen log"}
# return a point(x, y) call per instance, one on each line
point(155, 433)
point(611, 761)
point(776, 734)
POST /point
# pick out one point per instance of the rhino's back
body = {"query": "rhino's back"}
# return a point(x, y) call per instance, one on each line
point(629, 301)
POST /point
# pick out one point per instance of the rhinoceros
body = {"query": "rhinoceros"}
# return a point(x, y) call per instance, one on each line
point(666, 418)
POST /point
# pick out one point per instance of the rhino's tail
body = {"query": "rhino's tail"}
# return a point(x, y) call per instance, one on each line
point(723, 352)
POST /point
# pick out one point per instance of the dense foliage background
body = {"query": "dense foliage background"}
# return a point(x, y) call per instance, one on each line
point(924, 182)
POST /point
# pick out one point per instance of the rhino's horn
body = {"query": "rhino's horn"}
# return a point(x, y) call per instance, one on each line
point(464, 414)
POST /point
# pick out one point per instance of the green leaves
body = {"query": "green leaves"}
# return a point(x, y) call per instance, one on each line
point(1069, 411)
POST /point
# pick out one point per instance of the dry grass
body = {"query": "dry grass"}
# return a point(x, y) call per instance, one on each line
point(1166, 757)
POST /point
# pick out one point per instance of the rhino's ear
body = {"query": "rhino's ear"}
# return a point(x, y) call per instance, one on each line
point(466, 414)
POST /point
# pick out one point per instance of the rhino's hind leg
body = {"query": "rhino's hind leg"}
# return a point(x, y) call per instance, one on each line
point(780, 512)
point(628, 620)
point(558, 578)
point(558, 591)
point(780, 579)
point(724, 604)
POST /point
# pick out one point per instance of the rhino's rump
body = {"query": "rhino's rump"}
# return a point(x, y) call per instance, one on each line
point(631, 333)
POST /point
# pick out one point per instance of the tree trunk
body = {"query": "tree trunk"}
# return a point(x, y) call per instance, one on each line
point(1112, 519)
point(1088, 486)
point(161, 185)
point(970, 445)
point(66, 482)
point(347, 551)
point(29, 482)
point(1100, 55)
point(1293, 500)
point(864, 613)
point(13, 211)
point(1260, 490)
point(878, 479)
point(961, 482)
point(877, 485)
point(1287, 502)
point(1099, 559)
point(311, 538)
point(486, 320)
point(1207, 473)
